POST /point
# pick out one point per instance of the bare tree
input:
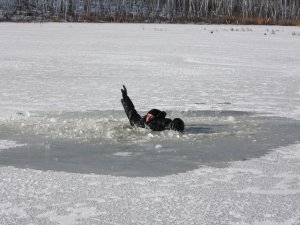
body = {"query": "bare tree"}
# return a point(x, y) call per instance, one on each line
point(168, 9)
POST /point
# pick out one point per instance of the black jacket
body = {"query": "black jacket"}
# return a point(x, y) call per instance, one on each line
point(159, 123)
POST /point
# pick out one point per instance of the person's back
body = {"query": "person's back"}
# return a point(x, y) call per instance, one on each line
point(155, 119)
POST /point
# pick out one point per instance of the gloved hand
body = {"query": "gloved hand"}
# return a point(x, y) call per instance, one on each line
point(177, 125)
point(127, 104)
point(124, 92)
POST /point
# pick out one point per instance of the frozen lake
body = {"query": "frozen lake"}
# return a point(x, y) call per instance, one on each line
point(68, 156)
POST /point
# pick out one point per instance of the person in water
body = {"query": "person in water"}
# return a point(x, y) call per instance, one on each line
point(155, 119)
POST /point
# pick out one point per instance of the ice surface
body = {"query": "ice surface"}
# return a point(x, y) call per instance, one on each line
point(81, 67)
point(76, 67)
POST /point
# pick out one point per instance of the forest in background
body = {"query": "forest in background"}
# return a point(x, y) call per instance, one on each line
point(282, 12)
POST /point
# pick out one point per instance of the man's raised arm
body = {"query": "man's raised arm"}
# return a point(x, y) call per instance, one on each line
point(134, 118)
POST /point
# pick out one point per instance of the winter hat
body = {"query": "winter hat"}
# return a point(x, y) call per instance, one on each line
point(157, 113)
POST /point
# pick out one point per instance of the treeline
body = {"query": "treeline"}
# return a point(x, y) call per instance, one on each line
point(173, 11)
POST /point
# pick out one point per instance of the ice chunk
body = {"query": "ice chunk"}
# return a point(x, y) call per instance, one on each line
point(158, 146)
point(6, 144)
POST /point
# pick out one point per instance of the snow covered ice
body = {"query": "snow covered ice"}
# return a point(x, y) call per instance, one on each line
point(60, 106)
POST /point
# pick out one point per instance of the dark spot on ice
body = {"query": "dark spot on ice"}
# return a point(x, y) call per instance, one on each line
point(224, 103)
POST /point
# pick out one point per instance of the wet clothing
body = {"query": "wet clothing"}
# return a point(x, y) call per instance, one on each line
point(159, 122)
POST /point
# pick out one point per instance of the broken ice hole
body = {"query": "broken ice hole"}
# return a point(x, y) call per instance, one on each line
point(102, 142)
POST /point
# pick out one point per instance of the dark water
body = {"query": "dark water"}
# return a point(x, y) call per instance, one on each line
point(101, 142)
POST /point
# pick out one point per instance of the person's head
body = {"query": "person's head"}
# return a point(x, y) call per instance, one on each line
point(177, 124)
point(154, 114)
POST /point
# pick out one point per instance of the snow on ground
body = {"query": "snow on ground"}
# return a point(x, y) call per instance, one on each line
point(78, 67)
